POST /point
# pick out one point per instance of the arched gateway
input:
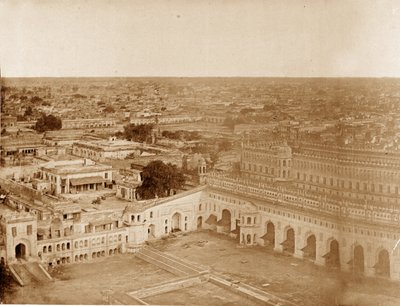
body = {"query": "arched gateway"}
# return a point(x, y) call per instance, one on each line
point(20, 250)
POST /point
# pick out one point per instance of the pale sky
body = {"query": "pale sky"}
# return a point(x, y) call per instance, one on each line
point(200, 38)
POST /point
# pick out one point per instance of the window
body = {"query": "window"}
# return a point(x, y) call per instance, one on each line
point(29, 229)
point(14, 231)
point(248, 220)
point(106, 175)
point(151, 214)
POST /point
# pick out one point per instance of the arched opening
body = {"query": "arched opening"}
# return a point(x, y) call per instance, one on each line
point(332, 258)
point(248, 241)
point(151, 231)
point(357, 262)
point(382, 267)
point(20, 250)
point(212, 222)
point(199, 222)
point(176, 222)
point(269, 237)
point(289, 243)
point(225, 221)
point(309, 250)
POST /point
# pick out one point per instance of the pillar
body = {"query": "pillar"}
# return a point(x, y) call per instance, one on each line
point(346, 254)
point(279, 238)
point(320, 249)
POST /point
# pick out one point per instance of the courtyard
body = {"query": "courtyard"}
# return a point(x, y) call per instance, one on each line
point(298, 281)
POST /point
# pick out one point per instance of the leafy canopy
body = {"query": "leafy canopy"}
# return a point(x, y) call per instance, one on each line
point(139, 133)
point(159, 179)
point(48, 123)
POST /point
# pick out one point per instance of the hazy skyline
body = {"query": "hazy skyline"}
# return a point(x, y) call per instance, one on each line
point(200, 38)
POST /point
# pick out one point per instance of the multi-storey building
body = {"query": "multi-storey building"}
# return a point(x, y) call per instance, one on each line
point(307, 218)
point(75, 176)
point(267, 161)
point(88, 123)
point(369, 176)
point(102, 149)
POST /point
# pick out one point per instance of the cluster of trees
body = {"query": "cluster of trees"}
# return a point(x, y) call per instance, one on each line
point(159, 179)
point(184, 135)
point(36, 100)
point(109, 109)
point(48, 123)
point(139, 133)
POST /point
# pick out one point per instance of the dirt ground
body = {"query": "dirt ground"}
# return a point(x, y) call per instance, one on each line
point(82, 283)
point(301, 282)
point(293, 279)
point(204, 294)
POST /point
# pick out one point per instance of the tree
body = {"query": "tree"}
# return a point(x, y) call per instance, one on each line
point(224, 145)
point(48, 123)
point(36, 99)
point(28, 111)
point(6, 282)
point(159, 179)
point(139, 133)
point(109, 109)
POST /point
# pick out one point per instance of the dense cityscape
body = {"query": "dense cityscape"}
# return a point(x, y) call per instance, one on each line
point(300, 170)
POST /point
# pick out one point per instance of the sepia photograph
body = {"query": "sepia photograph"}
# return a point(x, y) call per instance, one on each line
point(204, 152)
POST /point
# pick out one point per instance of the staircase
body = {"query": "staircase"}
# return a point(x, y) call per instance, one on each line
point(168, 262)
point(26, 273)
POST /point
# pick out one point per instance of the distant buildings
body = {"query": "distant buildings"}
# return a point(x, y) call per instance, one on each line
point(75, 176)
point(102, 149)
point(88, 123)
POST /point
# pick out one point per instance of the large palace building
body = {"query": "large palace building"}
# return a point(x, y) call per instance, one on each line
point(330, 205)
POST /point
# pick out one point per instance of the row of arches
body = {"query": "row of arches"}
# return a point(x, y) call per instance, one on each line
point(332, 257)
point(212, 221)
